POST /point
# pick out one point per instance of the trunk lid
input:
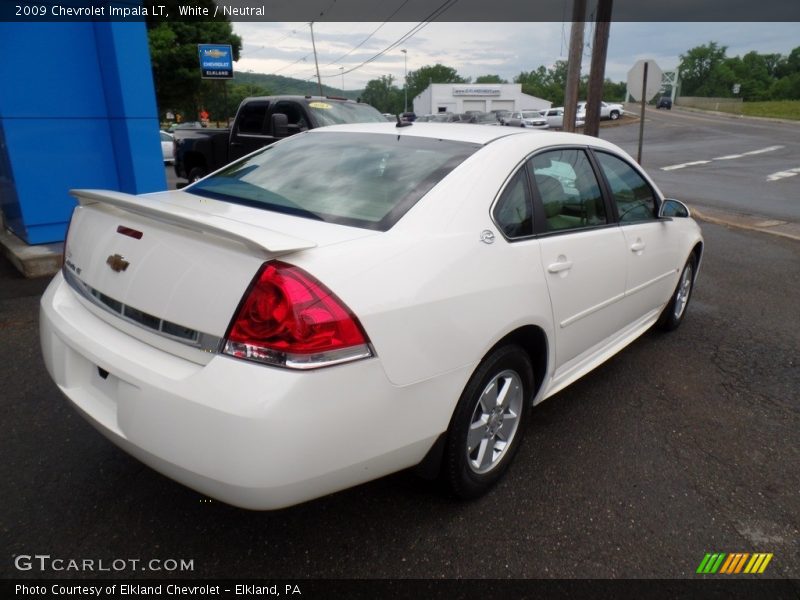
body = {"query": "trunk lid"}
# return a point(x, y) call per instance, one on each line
point(172, 267)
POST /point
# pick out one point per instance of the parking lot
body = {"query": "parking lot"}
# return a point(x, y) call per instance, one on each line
point(683, 444)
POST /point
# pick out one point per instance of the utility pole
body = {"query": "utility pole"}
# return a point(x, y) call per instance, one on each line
point(597, 74)
point(574, 64)
point(342, 70)
point(405, 78)
point(316, 63)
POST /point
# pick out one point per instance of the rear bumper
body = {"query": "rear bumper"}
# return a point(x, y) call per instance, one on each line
point(250, 435)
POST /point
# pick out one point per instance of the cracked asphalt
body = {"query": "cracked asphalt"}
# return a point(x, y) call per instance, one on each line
point(684, 443)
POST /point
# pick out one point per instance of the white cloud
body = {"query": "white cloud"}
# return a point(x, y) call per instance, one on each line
point(481, 48)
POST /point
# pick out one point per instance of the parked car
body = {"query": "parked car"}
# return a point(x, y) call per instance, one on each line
point(260, 121)
point(607, 110)
point(167, 147)
point(501, 115)
point(477, 117)
point(555, 117)
point(665, 102)
point(185, 125)
point(360, 299)
point(526, 118)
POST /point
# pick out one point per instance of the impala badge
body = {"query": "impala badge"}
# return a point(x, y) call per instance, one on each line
point(117, 263)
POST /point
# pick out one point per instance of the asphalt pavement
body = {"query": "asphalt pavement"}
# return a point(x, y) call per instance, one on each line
point(683, 444)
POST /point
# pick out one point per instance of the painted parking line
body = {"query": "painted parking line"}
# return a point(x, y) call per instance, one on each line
point(726, 157)
point(682, 165)
point(783, 174)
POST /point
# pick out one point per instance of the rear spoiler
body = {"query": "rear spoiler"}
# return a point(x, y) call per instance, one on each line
point(201, 222)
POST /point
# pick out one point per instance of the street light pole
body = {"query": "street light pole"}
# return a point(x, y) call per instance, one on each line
point(316, 63)
point(405, 78)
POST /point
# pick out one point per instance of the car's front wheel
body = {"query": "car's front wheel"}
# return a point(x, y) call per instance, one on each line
point(488, 423)
point(614, 115)
point(675, 310)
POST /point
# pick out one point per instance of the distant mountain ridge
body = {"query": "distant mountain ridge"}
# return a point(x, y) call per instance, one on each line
point(280, 85)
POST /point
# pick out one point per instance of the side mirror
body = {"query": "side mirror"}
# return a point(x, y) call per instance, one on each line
point(280, 125)
point(673, 208)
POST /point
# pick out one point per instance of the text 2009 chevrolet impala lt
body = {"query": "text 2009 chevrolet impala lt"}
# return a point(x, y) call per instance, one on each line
point(360, 299)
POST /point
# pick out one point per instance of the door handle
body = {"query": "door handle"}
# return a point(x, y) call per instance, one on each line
point(638, 246)
point(558, 267)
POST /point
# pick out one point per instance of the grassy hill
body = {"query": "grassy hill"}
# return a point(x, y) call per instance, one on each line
point(278, 85)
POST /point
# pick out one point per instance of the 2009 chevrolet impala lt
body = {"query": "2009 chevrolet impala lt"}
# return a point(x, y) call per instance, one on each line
point(360, 299)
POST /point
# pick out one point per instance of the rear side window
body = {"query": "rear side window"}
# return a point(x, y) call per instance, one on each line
point(251, 118)
point(337, 113)
point(568, 190)
point(512, 213)
point(635, 199)
point(361, 179)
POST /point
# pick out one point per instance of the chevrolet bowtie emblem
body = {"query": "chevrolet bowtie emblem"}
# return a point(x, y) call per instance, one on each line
point(117, 263)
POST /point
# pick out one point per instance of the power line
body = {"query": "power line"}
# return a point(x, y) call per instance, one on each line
point(408, 35)
point(364, 41)
point(263, 47)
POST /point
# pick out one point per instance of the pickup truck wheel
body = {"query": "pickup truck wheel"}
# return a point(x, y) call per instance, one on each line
point(614, 115)
point(196, 173)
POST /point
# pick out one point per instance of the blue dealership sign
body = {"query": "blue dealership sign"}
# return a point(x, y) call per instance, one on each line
point(216, 61)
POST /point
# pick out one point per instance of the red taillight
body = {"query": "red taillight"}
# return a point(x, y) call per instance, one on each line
point(288, 318)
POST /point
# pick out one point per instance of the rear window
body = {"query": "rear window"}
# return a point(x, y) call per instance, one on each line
point(361, 179)
point(338, 113)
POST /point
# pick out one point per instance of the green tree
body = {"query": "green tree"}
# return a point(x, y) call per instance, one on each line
point(384, 95)
point(703, 71)
point(420, 79)
point(490, 79)
point(548, 84)
point(221, 105)
point(614, 92)
point(173, 53)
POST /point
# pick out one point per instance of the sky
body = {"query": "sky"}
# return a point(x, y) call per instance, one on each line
point(475, 49)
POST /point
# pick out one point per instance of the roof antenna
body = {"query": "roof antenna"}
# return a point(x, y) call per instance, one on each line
point(401, 123)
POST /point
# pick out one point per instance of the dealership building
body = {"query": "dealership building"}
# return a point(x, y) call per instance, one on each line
point(461, 97)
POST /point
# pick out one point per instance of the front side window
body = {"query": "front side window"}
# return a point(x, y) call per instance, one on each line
point(567, 189)
point(635, 199)
point(361, 179)
point(296, 120)
point(512, 213)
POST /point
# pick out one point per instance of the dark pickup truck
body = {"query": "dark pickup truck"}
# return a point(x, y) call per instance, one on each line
point(260, 121)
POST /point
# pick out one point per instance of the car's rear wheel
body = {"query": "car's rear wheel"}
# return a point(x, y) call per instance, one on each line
point(614, 115)
point(675, 310)
point(488, 423)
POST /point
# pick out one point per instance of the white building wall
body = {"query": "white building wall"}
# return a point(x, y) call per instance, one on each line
point(460, 97)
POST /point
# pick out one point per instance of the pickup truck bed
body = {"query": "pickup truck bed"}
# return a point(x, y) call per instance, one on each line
point(261, 121)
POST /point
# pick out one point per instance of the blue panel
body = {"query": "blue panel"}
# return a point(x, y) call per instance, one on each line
point(77, 109)
point(130, 94)
point(50, 70)
point(48, 158)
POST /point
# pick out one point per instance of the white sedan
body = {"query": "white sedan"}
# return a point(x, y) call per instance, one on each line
point(360, 299)
point(555, 117)
point(527, 118)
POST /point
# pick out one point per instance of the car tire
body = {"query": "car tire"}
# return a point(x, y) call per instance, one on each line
point(675, 310)
point(196, 173)
point(614, 115)
point(488, 423)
